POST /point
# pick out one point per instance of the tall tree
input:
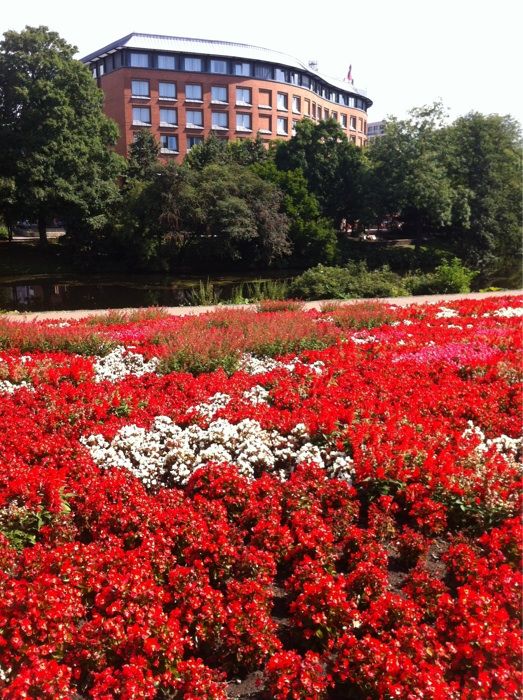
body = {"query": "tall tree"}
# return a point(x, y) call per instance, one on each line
point(144, 154)
point(54, 137)
point(333, 167)
point(409, 173)
point(484, 159)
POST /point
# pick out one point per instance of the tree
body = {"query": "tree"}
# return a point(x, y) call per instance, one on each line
point(144, 153)
point(54, 137)
point(333, 167)
point(409, 173)
point(484, 159)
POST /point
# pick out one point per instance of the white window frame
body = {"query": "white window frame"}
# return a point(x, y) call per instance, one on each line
point(243, 68)
point(282, 126)
point(169, 62)
point(192, 64)
point(283, 98)
point(164, 97)
point(164, 122)
point(216, 117)
point(240, 116)
point(138, 95)
point(166, 149)
point(241, 102)
point(141, 122)
point(193, 99)
point(214, 67)
point(215, 100)
point(188, 119)
point(139, 60)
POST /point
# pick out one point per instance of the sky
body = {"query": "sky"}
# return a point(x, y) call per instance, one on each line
point(404, 53)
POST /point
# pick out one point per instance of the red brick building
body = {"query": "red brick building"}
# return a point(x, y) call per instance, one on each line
point(185, 89)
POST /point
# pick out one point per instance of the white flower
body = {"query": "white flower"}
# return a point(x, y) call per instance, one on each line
point(7, 387)
point(120, 363)
point(445, 312)
point(508, 312)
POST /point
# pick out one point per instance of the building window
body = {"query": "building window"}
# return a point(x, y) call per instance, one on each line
point(193, 93)
point(263, 71)
point(140, 88)
point(101, 69)
point(168, 143)
point(344, 121)
point(194, 118)
point(319, 113)
point(296, 105)
point(353, 139)
point(305, 81)
point(307, 107)
point(281, 75)
point(334, 115)
point(166, 62)
point(192, 64)
point(294, 78)
point(194, 141)
point(360, 124)
point(167, 91)
point(219, 94)
point(294, 122)
point(139, 60)
point(218, 65)
point(168, 117)
point(141, 116)
point(265, 99)
point(282, 126)
point(265, 122)
point(220, 120)
point(283, 101)
point(353, 123)
point(240, 68)
point(314, 110)
point(244, 97)
point(243, 122)
point(326, 113)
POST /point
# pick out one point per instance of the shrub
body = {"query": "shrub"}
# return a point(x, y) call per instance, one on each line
point(449, 277)
point(4, 234)
point(351, 282)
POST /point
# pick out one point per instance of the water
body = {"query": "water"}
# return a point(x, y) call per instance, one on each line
point(60, 293)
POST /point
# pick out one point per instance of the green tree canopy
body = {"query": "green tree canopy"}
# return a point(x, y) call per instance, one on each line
point(484, 160)
point(333, 167)
point(54, 137)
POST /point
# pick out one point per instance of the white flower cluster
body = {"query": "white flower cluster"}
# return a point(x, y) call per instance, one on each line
point(505, 445)
point(119, 363)
point(363, 339)
point(167, 454)
point(508, 312)
point(212, 406)
point(256, 395)
point(7, 387)
point(445, 312)
point(259, 365)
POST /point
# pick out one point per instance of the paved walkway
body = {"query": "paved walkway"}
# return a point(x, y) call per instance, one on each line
point(195, 310)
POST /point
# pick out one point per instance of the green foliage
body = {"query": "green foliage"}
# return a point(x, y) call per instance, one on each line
point(194, 362)
point(451, 277)
point(144, 153)
point(205, 294)
point(4, 233)
point(54, 136)
point(353, 281)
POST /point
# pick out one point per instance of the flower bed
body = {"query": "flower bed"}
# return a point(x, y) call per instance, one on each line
point(273, 505)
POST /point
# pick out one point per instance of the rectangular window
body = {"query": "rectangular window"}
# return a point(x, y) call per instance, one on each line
point(265, 99)
point(244, 96)
point(139, 60)
point(319, 113)
point(218, 65)
point(296, 105)
point(243, 122)
point(194, 118)
point(353, 139)
point(265, 122)
point(294, 122)
point(294, 78)
point(344, 121)
point(140, 88)
point(263, 71)
point(353, 123)
point(166, 62)
point(219, 94)
point(168, 117)
point(307, 107)
point(141, 116)
point(334, 115)
point(281, 75)
point(283, 102)
point(193, 93)
point(305, 81)
point(194, 141)
point(350, 102)
point(326, 113)
point(314, 110)
point(167, 91)
point(192, 64)
point(168, 143)
point(220, 120)
point(101, 69)
point(360, 124)
point(241, 68)
point(282, 126)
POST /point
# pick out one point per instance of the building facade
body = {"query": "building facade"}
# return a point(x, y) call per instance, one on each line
point(185, 89)
point(376, 129)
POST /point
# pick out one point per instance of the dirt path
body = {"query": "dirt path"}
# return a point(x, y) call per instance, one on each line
point(195, 310)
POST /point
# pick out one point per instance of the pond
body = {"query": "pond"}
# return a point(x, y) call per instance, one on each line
point(66, 292)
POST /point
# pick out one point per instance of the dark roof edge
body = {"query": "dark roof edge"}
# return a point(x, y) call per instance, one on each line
point(106, 49)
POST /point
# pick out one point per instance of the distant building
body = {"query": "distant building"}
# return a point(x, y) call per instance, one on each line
point(185, 89)
point(376, 129)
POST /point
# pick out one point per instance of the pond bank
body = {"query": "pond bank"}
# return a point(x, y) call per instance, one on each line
point(195, 310)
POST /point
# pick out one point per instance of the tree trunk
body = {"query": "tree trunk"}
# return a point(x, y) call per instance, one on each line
point(42, 228)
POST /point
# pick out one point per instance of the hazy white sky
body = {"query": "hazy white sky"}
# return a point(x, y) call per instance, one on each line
point(405, 53)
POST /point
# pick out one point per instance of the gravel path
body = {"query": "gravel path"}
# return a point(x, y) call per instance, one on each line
point(195, 310)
